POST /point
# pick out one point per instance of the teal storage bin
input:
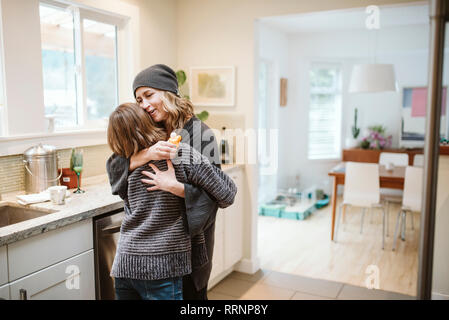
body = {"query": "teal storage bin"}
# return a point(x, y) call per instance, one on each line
point(322, 203)
point(297, 215)
point(290, 215)
point(273, 210)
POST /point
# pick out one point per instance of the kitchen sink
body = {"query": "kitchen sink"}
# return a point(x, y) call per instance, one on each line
point(12, 213)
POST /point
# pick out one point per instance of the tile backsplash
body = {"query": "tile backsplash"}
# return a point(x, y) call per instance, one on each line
point(12, 170)
point(12, 174)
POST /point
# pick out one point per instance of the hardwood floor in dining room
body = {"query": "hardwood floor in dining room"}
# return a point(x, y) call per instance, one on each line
point(304, 248)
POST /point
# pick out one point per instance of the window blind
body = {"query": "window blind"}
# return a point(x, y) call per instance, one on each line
point(324, 137)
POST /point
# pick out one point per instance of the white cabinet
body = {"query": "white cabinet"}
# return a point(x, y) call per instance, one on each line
point(71, 279)
point(38, 252)
point(233, 225)
point(228, 245)
point(58, 264)
point(3, 266)
point(218, 257)
point(4, 292)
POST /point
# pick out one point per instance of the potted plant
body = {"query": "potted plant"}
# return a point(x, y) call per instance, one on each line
point(352, 141)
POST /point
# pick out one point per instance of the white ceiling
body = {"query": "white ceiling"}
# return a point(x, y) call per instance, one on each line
point(389, 16)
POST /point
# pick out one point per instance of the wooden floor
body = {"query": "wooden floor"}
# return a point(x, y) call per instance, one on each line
point(304, 248)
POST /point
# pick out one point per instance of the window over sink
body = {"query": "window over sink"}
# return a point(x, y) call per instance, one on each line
point(79, 62)
point(73, 52)
point(2, 93)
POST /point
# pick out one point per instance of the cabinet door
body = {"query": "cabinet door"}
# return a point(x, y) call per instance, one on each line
point(233, 226)
point(36, 253)
point(71, 279)
point(218, 257)
point(3, 266)
point(4, 292)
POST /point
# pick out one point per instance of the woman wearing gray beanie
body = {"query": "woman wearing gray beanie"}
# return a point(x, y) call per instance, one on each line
point(156, 91)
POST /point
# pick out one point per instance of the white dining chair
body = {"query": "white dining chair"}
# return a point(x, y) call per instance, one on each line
point(361, 189)
point(418, 160)
point(411, 201)
point(392, 195)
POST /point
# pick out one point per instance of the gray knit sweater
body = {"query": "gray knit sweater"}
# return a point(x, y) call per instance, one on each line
point(154, 240)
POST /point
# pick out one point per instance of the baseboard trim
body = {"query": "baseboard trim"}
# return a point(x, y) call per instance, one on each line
point(247, 266)
point(439, 296)
point(213, 282)
point(244, 266)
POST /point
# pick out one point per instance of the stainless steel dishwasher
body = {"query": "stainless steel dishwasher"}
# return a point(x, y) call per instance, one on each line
point(106, 236)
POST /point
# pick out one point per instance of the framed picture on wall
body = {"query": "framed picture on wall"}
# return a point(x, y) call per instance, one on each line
point(212, 86)
point(414, 104)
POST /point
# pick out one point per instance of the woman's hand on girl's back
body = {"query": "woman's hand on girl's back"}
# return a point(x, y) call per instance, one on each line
point(162, 150)
point(164, 180)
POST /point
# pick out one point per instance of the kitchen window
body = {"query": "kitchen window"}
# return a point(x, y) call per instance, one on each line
point(2, 98)
point(324, 133)
point(79, 62)
point(2, 93)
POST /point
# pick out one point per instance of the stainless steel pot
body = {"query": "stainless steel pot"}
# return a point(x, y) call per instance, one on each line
point(41, 168)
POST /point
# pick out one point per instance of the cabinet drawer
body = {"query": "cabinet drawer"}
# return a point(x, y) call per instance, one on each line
point(3, 266)
point(71, 279)
point(4, 292)
point(38, 252)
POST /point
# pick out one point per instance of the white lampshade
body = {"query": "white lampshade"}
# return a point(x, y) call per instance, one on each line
point(372, 78)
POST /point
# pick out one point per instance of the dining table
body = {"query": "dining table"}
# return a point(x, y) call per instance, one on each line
point(392, 178)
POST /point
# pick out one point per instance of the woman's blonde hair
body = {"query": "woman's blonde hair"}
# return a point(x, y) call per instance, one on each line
point(131, 129)
point(179, 110)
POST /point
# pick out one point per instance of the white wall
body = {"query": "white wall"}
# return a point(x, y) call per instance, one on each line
point(22, 66)
point(157, 32)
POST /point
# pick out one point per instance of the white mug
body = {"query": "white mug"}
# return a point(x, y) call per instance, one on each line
point(389, 166)
point(57, 194)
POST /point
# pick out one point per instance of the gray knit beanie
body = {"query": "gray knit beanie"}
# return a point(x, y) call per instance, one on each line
point(159, 77)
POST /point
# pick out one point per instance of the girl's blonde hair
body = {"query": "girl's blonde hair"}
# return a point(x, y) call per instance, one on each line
point(179, 110)
point(131, 129)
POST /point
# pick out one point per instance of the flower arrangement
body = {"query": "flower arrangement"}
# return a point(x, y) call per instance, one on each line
point(376, 139)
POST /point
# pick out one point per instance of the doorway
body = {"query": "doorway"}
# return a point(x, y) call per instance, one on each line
point(302, 245)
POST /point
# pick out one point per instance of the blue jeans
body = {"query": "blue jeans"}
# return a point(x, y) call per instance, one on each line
point(163, 289)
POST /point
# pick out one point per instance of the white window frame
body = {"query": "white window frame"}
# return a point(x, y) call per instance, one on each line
point(339, 92)
point(80, 14)
point(126, 17)
point(3, 110)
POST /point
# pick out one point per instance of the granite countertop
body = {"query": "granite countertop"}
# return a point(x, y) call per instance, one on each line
point(96, 201)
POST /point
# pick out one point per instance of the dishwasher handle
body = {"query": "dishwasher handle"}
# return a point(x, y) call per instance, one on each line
point(111, 229)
